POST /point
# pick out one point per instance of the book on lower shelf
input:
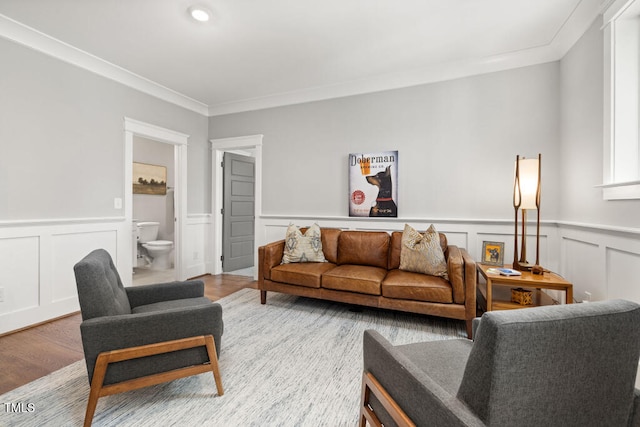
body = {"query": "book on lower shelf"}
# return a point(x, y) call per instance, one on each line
point(504, 271)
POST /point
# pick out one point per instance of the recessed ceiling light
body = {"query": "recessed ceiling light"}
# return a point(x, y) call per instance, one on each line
point(199, 13)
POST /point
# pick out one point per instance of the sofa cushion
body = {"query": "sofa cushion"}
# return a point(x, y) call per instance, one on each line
point(396, 247)
point(303, 247)
point(302, 274)
point(330, 243)
point(400, 284)
point(354, 278)
point(364, 248)
point(421, 253)
point(329, 238)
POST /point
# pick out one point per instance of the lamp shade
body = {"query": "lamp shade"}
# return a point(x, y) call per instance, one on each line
point(527, 183)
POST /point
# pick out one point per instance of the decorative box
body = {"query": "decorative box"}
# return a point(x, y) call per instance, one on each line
point(521, 296)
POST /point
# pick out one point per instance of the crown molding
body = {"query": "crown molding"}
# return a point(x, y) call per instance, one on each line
point(570, 31)
point(582, 16)
point(432, 74)
point(22, 34)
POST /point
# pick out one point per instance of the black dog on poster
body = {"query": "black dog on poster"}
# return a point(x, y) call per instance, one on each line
point(385, 206)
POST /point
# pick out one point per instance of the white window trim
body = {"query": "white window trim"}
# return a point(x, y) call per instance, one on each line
point(612, 190)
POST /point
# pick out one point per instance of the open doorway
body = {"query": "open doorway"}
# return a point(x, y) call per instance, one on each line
point(177, 143)
point(153, 211)
point(247, 146)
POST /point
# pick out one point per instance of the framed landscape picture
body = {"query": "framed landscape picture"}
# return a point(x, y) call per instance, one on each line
point(149, 179)
point(493, 253)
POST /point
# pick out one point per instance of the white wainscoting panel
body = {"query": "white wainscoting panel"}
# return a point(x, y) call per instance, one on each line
point(546, 259)
point(66, 250)
point(37, 257)
point(583, 266)
point(36, 265)
point(468, 234)
point(19, 273)
point(599, 259)
point(622, 274)
point(198, 245)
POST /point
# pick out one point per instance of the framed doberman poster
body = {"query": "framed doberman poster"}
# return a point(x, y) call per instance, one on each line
point(373, 184)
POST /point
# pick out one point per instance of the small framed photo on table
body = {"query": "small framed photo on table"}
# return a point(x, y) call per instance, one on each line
point(493, 253)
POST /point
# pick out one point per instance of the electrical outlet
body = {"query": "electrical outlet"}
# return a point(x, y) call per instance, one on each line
point(117, 203)
point(587, 296)
point(1, 294)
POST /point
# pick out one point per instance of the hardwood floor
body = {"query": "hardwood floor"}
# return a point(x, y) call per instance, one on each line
point(35, 352)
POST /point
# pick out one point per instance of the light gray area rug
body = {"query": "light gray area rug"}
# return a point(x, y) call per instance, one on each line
point(293, 362)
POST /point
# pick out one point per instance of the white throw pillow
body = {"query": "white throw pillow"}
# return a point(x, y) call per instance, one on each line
point(421, 253)
point(299, 247)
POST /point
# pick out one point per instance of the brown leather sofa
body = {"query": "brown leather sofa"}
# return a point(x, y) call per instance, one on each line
point(363, 269)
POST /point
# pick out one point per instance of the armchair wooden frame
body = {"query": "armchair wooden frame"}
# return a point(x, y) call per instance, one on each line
point(371, 385)
point(104, 359)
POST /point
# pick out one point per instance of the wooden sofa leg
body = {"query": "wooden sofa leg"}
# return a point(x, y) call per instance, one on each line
point(263, 297)
point(469, 326)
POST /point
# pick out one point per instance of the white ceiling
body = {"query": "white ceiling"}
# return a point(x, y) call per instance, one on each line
point(256, 54)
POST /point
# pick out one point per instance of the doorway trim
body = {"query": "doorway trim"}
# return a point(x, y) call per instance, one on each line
point(179, 141)
point(218, 148)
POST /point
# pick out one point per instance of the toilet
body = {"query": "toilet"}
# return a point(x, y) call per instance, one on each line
point(158, 250)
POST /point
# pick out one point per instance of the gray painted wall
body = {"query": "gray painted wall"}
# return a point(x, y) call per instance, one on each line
point(62, 140)
point(582, 138)
point(457, 143)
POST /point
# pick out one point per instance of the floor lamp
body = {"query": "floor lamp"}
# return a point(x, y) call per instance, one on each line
point(526, 196)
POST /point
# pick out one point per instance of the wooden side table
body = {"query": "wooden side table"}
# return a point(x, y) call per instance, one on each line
point(495, 292)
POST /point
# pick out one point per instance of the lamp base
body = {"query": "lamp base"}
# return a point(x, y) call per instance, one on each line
point(537, 269)
point(522, 266)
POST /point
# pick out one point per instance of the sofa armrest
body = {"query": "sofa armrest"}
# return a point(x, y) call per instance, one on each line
point(108, 333)
point(149, 294)
point(455, 270)
point(470, 281)
point(424, 400)
point(269, 256)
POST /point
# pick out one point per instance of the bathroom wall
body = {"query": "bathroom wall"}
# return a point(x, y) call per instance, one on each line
point(147, 207)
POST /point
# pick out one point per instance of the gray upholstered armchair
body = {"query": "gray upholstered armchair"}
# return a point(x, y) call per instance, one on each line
point(565, 365)
point(140, 336)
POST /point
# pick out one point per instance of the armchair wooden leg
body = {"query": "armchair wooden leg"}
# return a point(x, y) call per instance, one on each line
point(99, 372)
point(98, 389)
point(364, 404)
point(213, 359)
point(263, 297)
point(371, 385)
